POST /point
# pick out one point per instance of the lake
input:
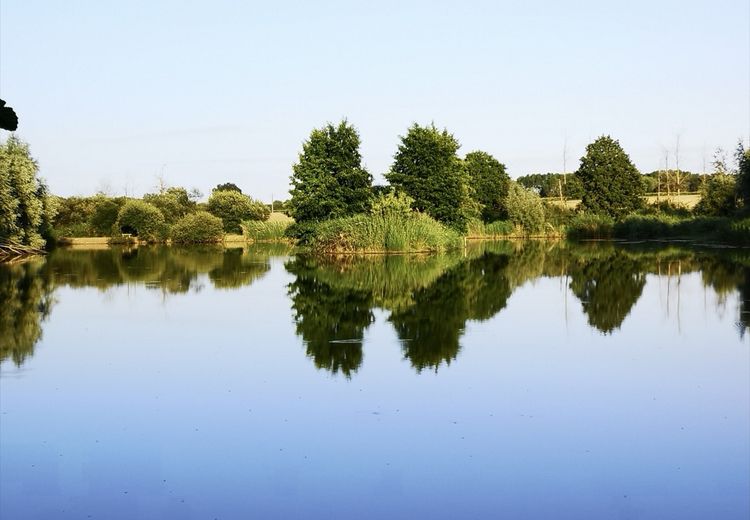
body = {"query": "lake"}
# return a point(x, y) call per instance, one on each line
point(510, 380)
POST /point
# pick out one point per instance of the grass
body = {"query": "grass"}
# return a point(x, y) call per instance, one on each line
point(643, 227)
point(383, 233)
point(268, 231)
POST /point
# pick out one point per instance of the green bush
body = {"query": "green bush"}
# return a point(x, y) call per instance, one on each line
point(141, 219)
point(233, 207)
point(104, 216)
point(590, 225)
point(266, 231)
point(198, 228)
point(499, 228)
point(651, 226)
point(525, 208)
point(718, 196)
point(375, 233)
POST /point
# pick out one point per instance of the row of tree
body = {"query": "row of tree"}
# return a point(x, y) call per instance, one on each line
point(329, 180)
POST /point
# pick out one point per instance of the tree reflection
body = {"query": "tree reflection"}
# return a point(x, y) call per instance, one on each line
point(331, 320)
point(431, 328)
point(26, 296)
point(608, 287)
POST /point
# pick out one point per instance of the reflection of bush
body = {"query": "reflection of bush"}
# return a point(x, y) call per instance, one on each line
point(26, 296)
point(237, 269)
point(172, 270)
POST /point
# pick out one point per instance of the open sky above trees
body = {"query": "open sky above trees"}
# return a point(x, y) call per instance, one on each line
point(110, 96)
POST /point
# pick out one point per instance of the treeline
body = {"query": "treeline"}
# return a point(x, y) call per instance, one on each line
point(171, 212)
point(568, 186)
point(434, 196)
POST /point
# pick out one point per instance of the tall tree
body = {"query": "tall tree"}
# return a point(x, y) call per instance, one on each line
point(329, 180)
point(427, 168)
point(743, 173)
point(22, 204)
point(611, 183)
point(489, 184)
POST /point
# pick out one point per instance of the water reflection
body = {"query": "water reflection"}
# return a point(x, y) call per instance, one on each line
point(25, 301)
point(27, 289)
point(428, 298)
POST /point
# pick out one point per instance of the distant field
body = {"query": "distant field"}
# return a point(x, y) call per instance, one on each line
point(689, 200)
point(279, 217)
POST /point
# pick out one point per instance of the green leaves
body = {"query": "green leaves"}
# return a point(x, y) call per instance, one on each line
point(22, 204)
point(488, 185)
point(427, 169)
point(329, 180)
point(611, 183)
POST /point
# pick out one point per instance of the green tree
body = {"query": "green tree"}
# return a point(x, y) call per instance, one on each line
point(743, 174)
point(427, 169)
point(174, 203)
point(329, 180)
point(524, 208)
point(232, 207)
point(611, 183)
point(489, 184)
point(141, 219)
point(227, 186)
point(198, 228)
point(22, 194)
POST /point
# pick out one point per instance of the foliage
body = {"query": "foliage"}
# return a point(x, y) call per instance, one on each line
point(500, 228)
point(488, 184)
point(233, 207)
point(525, 208)
point(590, 225)
point(329, 180)
point(612, 185)
point(718, 196)
point(378, 233)
point(743, 174)
point(198, 228)
point(664, 181)
point(104, 215)
point(227, 186)
point(141, 219)
point(427, 169)
point(393, 204)
point(265, 231)
point(174, 203)
point(22, 194)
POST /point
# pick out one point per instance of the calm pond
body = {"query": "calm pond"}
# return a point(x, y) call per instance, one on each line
point(512, 380)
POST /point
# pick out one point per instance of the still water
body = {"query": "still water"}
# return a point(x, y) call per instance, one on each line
point(513, 380)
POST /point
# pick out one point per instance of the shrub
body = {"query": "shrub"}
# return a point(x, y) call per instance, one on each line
point(374, 233)
point(142, 220)
point(105, 213)
point(174, 203)
point(590, 225)
point(499, 228)
point(233, 207)
point(641, 226)
point(525, 208)
point(718, 196)
point(198, 228)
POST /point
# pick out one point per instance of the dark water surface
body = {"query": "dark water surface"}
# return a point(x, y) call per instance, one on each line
point(531, 380)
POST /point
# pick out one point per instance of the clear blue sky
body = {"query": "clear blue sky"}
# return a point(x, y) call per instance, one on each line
point(110, 94)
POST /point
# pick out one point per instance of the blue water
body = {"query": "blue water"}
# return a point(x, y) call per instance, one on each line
point(151, 394)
